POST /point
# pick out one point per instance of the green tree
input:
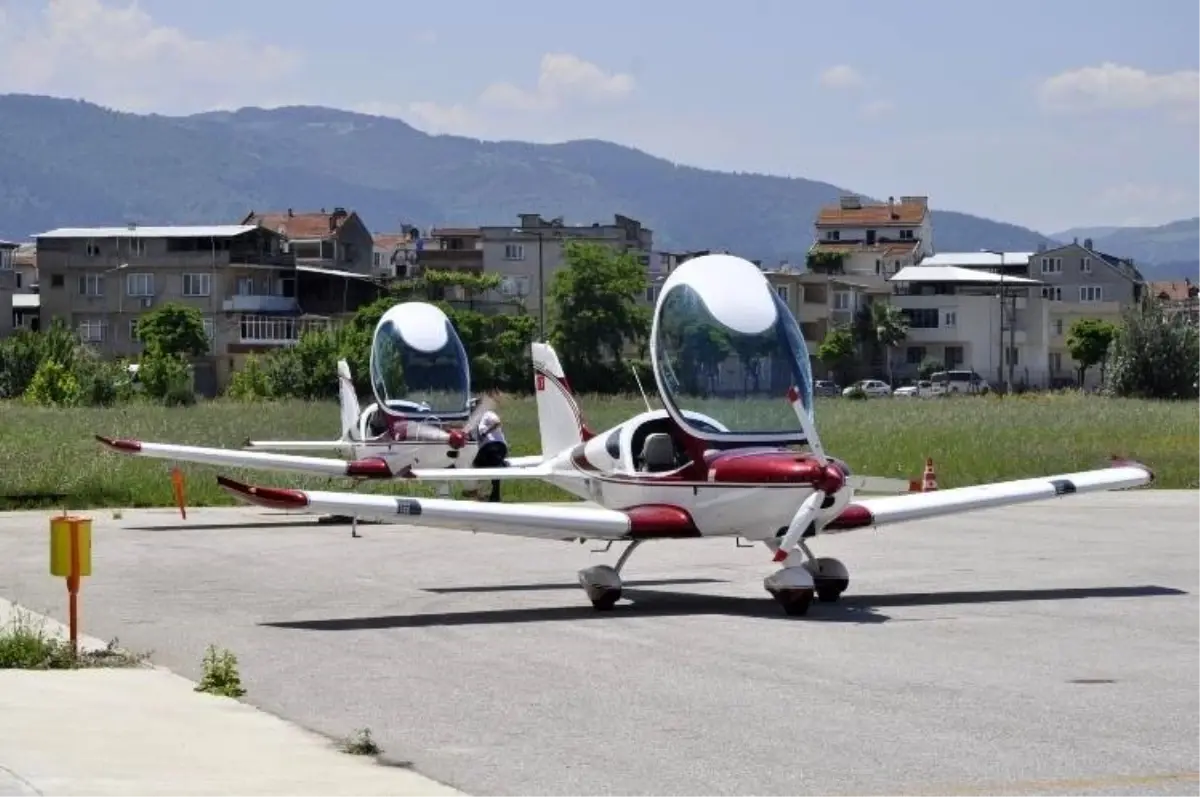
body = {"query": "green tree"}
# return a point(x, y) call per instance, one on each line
point(53, 385)
point(837, 350)
point(250, 382)
point(1088, 341)
point(1155, 354)
point(889, 329)
point(22, 352)
point(174, 330)
point(597, 312)
point(930, 366)
point(167, 377)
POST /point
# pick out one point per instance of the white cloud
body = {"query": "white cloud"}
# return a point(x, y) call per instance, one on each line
point(116, 55)
point(1113, 87)
point(564, 81)
point(840, 77)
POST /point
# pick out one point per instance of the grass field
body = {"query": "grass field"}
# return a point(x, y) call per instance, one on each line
point(50, 459)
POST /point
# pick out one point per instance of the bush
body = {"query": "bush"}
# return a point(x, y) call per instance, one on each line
point(53, 385)
point(167, 377)
point(1154, 355)
point(251, 382)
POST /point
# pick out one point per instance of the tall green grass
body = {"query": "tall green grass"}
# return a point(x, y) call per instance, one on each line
point(49, 458)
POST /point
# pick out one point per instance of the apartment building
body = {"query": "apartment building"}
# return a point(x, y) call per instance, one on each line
point(877, 239)
point(8, 286)
point(337, 240)
point(533, 250)
point(454, 249)
point(1179, 297)
point(395, 253)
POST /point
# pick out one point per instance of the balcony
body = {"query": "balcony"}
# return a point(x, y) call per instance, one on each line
point(258, 330)
point(250, 303)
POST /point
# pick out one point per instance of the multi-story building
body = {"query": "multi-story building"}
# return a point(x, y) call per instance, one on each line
point(875, 239)
point(974, 319)
point(530, 254)
point(395, 254)
point(337, 240)
point(1179, 297)
point(8, 286)
point(249, 290)
point(26, 302)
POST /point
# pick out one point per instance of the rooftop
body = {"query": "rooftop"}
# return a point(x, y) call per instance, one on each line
point(299, 226)
point(8, 244)
point(956, 274)
point(133, 231)
point(852, 212)
point(1175, 291)
point(887, 249)
point(977, 259)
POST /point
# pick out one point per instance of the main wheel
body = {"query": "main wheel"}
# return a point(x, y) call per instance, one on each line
point(606, 601)
point(830, 578)
point(795, 602)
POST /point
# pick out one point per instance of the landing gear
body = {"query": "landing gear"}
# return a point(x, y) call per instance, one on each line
point(602, 583)
point(795, 586)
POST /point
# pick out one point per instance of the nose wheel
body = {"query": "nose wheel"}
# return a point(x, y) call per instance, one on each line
point(795, 586)
point(602, 583)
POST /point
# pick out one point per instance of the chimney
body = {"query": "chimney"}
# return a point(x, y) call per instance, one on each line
point(1087, 243)
point(335, 217)
point(892, 208)
point(290, 213)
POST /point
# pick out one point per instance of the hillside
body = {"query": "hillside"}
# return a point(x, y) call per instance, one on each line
point(65, 162)
point(1173, 249)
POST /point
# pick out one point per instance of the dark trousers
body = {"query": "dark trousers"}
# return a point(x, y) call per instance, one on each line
point(492, 454)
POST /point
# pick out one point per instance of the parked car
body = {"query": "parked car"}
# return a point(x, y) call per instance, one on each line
point(922, 389)
point(825, 387)
point(872, 387)
point(960, 381)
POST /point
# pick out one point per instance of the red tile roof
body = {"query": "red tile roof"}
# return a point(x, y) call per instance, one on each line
point(389, 240)
point(906, 214)
point(299, 225)
point(1179, 291)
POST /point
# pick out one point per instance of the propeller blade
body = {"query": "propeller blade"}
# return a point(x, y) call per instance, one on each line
point(810, 432)
point(804, 515)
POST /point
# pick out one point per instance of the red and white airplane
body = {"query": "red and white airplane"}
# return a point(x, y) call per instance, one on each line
point(759, 472)
point(422, 417)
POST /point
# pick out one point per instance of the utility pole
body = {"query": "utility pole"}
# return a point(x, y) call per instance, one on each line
point(1011, 328)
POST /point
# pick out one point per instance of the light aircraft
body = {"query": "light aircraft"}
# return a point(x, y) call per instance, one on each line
point(749, 465)
point(415, 352)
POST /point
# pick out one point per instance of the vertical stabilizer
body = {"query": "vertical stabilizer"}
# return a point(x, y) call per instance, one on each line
point(560, 421)
point(348, 400)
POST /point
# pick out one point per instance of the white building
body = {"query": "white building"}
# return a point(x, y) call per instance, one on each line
point(876, 239)
point(956, 317)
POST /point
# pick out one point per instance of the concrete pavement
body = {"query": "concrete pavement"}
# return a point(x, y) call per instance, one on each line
point(144, 730)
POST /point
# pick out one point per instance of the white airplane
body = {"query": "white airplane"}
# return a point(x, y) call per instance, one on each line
point(680, 473)
point(423, 415)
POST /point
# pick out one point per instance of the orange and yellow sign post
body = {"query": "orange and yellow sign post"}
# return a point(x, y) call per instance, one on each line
point(71, 558)
point(177, 486)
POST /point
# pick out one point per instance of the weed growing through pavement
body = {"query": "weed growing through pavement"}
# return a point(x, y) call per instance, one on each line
point(220, 675)
point(25, 644)
point(360, 743)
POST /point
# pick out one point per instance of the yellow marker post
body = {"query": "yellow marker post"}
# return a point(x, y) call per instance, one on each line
point(71, 558)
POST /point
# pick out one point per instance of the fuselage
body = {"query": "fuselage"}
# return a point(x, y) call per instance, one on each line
point(745, 492)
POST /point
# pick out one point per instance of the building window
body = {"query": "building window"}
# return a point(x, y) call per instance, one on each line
point(841, 300)
point(19, 275)
point(1058, 326)
point(378, 259)
point(906, 235)
point(91, 285)
point(56, 280)
point(93, 249)
point(921, 318)
point(139, 285)
point(1055, 362)
point(1051, 265)
point(92, 330)
point(514, 251)
point(1091, 293)
point(210, 331)
point(833, 235)
point(914, 355)
point(137, 247)
point(245, 286)
point(1085, 265)
point(954, 357)
point(197, 284)
point(950, 318)
point(1011, 356)
point(783, 293)
point(1054, 293)
point(878, 266)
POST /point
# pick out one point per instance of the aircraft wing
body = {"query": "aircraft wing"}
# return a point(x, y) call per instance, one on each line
point(534, 469)
point(886, 510)
point(554, 522)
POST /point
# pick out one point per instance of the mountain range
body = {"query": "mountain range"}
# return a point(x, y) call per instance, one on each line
point(1172, 249)
point(74, 163)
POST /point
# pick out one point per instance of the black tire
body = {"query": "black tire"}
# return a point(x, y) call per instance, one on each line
point(796, 603)
point(606, 602)
point(829, 590)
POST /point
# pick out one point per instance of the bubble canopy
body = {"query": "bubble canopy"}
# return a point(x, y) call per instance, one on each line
point(724, 344)
point(418, 364)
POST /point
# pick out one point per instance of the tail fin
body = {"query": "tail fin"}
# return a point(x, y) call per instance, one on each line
point(560, 421)
point(348, 400)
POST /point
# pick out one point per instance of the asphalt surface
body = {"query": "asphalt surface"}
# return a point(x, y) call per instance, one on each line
point(1049, 648)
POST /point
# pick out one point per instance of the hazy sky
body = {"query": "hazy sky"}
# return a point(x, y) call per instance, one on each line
point(1049, 114)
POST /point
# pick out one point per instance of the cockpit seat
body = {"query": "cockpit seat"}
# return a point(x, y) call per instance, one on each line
point(658, 453)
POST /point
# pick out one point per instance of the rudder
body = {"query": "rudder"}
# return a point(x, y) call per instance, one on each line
point(560, 420)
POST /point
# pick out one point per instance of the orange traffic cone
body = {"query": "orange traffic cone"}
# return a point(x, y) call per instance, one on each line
point(929, 478)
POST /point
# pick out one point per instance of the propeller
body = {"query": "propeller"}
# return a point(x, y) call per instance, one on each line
point(832, 479)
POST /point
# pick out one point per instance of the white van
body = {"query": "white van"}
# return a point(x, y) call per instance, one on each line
point(969, 382)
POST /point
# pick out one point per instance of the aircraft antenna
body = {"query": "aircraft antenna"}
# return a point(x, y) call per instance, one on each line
point(638, 379)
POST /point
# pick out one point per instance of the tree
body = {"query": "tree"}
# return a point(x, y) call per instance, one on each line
point(889, 328)
point(837, 350)
point(597, 312)
point(1154, 354)
point(1088, 341)
point(174, 330)
point(826, 262)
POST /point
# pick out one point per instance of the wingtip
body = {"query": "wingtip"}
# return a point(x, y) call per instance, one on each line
point(266, 497)
point(118, 444)
point(1123, 462)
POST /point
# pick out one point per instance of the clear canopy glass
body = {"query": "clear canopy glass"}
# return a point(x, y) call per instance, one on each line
point(738, 371)
point(416, 380)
